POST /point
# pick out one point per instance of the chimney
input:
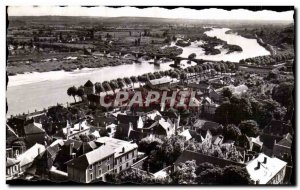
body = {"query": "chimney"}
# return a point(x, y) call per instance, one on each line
point(265, 160)
point(73, 155)
point(258, 166)
point(68, 129)
point(71, 148)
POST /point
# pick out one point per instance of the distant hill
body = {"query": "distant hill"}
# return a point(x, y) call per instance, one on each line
point(71, 20)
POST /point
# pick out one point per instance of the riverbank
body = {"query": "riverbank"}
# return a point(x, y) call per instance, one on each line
point(259, 40)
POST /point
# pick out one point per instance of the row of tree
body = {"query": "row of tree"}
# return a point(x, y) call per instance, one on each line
point(187, 173)
point(269, 59)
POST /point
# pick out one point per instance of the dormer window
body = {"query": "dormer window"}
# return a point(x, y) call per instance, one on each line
point(91, 167)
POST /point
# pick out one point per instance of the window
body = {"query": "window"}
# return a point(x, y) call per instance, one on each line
point(120, 168)
point(99, 171)
point(127, 164)
point(99, 163)
point(116, 162)
point(108, 168)
point(127, 156)
point(132, 153)
point(91, 167)
point(121, 160)
point(91, 176)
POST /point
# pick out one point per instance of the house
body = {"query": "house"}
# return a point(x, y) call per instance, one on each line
point(14, 144)
point(113, 156)
point(138, 127)
point(89, 88)
point(208, 106)
point(125, 152)
point(265, 170)
point(159, 83)
point(256, 144)
point(91, 166)
point(217, 95)
point(69, 150)
point(158, 126)
point(16, 148)
point(282, 148)
point(34, 133)
point(200, 88)
point(127, 123)
point(26, 159)
point(12, 168)
point(203, 126)
point(72, 131)
point(190, 134)
point(45, 160)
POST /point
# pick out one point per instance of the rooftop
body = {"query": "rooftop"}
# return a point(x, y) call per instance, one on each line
point(266, 171)
point(117, 145)
point(163, 80)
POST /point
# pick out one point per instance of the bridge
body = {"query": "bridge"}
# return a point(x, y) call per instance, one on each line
point(157, 56)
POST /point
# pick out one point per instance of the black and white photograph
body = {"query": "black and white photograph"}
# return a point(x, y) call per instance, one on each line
point(177, 95)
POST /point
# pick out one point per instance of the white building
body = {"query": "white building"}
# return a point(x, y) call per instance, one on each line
point(266, 170)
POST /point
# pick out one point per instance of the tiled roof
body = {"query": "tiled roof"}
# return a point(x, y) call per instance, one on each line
point(29, 155)
point(160, 81)
point(33, 128)
point(286, 141)
point(91, 157)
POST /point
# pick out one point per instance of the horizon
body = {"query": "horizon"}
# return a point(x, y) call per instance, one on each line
point(152, 12)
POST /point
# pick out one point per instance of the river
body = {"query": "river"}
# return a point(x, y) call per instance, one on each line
point(30, 91)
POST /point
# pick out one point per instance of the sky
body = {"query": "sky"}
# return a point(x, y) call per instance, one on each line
point(213, 13)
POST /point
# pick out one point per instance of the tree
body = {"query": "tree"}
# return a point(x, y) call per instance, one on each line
point(204, 166)
point(127, 81)
point(147, 145)
point(99, 88)
point(132, 176)
point(113, 85)
point(233, 111)
point(231, 132)
point(226, 92)
point(185, 173)
point(249, 128)
point(80, 92)
point(72, 91)
point(211, 176)
point(192, 56)
point(283, 94)
point(121, 84)
point(106, 86)
point(235, 175)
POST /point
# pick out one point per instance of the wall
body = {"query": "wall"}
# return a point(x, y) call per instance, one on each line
point(126, 162)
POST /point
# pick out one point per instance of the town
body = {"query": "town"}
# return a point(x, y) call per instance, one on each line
point(239, 129)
